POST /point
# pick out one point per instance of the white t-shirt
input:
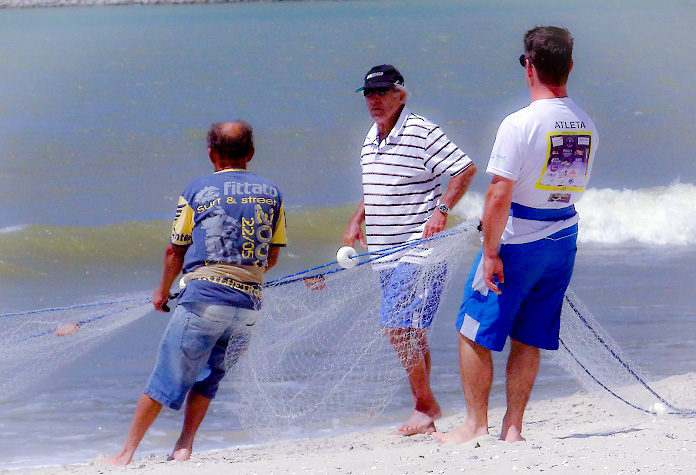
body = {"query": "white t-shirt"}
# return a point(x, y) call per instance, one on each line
point(548, 149)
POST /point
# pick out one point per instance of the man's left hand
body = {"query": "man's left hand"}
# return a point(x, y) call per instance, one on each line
point(435, 224)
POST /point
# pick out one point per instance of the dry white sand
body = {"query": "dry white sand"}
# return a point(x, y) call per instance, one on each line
point(582, 433)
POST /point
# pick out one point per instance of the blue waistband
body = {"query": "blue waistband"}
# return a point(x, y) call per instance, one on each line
point(525, 212)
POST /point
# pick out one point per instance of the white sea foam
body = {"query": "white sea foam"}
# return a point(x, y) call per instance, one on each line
point(470, 206)
point(661, 216)
point(12, 229)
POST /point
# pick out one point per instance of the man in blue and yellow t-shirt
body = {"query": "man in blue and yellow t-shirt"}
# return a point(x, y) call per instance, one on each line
point(228, 231)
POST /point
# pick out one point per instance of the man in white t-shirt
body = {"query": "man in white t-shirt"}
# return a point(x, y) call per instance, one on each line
point(403, 158)
point(541, 162)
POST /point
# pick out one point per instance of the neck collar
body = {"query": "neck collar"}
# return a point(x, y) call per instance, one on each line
point(395, 130)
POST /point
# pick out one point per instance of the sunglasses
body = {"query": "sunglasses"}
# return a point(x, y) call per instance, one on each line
point(380, 91)
point(522, 59)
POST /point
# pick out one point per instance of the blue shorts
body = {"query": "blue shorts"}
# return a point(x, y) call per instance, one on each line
point(410, 300)
point(192, 351)
point(537, 275)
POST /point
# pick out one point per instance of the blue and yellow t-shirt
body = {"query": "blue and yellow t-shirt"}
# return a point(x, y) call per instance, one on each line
point(230, 217)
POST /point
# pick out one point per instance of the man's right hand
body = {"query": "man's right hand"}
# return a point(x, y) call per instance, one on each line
point(492, 271)
point(159, 299)
point(353, 232)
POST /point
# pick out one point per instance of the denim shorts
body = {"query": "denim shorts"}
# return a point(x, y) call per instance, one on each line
point(192, 352)
point(409, 299)
point(528, 310)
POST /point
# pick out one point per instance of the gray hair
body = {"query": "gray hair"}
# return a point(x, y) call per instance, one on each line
point(402, 88)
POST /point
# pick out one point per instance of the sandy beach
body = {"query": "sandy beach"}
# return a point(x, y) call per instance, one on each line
point(577, 434)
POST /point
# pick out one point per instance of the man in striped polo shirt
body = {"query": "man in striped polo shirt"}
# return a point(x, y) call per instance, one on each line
point(403, 158)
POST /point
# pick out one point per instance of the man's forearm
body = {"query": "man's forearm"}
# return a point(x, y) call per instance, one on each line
point(173, 262)
point(359, 214)
point(495, 215)
point(354, 229)
point(457, 186)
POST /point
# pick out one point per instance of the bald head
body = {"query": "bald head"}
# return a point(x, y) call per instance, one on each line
point(231, 141)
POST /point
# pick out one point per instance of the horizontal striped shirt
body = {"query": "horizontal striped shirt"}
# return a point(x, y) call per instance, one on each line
point(401, 180)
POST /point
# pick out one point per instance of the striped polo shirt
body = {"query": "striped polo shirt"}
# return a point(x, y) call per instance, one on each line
point(401, 181)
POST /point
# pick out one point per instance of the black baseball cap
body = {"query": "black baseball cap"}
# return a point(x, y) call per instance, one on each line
point(384, 75)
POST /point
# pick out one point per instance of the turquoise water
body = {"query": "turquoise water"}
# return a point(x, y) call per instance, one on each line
point(103, 113)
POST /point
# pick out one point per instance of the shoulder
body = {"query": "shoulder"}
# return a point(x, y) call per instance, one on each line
point(416, 121)
point(253, 177)
point(199, 183)
point(521, 115)
point(202, 190)
point(414, 131)
point(269, 188)
point(521, 120)
point(580, 112)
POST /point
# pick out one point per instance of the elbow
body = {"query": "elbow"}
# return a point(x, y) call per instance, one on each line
point(271, 262)
point(272, 259)
point(468, 174)
point(175, 252)
point(498, 198)
point(464, 178)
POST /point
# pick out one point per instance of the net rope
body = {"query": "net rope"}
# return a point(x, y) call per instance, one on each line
point(594, 358)
point(318, 357)
point(35, 343)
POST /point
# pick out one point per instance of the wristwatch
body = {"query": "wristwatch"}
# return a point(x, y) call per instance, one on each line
point(443, 208)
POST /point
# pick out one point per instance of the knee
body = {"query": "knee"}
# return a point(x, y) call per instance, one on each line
point(521, 351)
point(518, 346)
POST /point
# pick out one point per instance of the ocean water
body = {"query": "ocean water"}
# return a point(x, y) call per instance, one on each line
point(103, 114)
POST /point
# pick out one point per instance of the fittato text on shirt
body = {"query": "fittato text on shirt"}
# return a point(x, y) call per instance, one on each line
point(234, 188)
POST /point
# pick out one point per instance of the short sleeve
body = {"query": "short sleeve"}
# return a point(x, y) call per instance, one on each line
point(280, 232)
point(442, 155)
point(182, 228)
point(506, 156)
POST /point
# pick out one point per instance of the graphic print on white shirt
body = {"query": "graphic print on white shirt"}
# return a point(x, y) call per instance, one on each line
point(567, 163)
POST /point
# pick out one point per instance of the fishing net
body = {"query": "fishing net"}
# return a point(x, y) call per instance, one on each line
point(36, 343)
point(597, 362)
point(320, 357)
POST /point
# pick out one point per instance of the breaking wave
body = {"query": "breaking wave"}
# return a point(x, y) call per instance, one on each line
point(650, 216)
point(663, 215)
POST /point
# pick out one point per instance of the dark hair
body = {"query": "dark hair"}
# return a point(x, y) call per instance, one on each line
point(231, 143)
point(550, 50)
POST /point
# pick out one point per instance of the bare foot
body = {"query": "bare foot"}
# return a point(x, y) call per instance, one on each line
point(511, 435)
point(118, 460)
point(419, 423)
point(180, 455)
point(462, 434)
point(181, 451)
